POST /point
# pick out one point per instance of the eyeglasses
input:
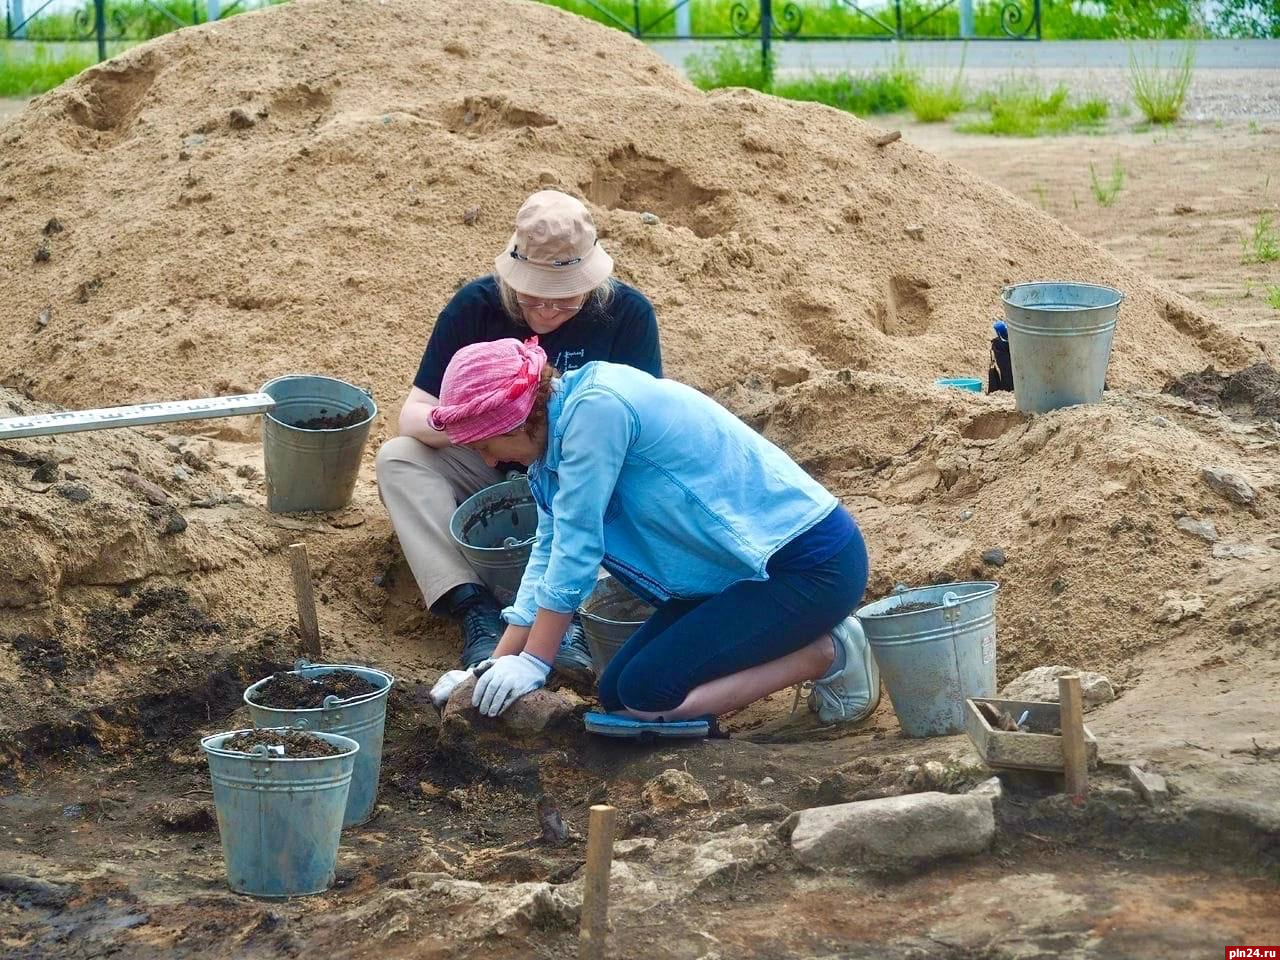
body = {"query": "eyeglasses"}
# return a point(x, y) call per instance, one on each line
point(541, 305)
point(517, 255)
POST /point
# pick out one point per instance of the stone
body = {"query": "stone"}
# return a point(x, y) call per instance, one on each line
point(966, 515)
point(1160, 421)
point(995, 557)
point(789, 374)
point(737, 794)
point(727, 857)
point(915, 232)
point(752, 813)
point(1236, 551)
point(1176, 608)
point(531, 714)
point(1151, 786)
point(992, 788)
point(1204, 529)
point(43, 317)
point(914, 829)
point(153, 494)
point(1230, 485)
point(240, 119)
point(766, 782)
point(1041, 683)
point(638, 848)
point(675, 790)
point(73, 492)
point(649, 219)
point(471, 217)
point(194, 140)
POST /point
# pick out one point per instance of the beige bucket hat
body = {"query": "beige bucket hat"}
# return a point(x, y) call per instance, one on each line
point(554, 252)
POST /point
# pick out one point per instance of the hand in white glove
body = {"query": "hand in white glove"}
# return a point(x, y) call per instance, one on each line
point(448, 682)
point(509, 679)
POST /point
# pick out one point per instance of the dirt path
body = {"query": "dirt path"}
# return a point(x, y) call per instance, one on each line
point(1191, 196)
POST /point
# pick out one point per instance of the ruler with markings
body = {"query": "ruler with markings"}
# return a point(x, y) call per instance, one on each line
point(108, 418)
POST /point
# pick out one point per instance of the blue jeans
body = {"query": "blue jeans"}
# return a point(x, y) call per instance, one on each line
point(689, 642)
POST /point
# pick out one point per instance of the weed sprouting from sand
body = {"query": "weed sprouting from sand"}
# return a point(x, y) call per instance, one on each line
point(1106, 192)
point(1160, 92)
point(1263, 244)
point(1022, 108)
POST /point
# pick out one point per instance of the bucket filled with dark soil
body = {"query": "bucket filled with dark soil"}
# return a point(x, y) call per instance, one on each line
point(935, 647)
point(331, 698)
point(280, 796)
point(312, 442)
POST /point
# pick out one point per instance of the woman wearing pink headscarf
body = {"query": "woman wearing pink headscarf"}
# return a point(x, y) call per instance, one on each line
point(752, 565)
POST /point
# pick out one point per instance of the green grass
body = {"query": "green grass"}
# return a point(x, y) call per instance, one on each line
point(1105, 193)
point(932, 101)
point(1024, 109)
point(27, 75)
point(1273, 296)
point(1263, 245)
point(739, 65)
point(1160, 92)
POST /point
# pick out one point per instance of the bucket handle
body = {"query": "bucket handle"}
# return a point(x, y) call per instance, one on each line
point(950, 601)
point(900, 589)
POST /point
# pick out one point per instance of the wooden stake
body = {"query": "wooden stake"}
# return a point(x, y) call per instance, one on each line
point(308, 625)
point(1071, 720)
point(594, 931)
point(888, 138)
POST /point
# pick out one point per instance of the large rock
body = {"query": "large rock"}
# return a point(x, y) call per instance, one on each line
point(673, 790)
point(1204, 529)
point(531, 714)
point(1041, 683)
point(894, 831)
point(1230, 485)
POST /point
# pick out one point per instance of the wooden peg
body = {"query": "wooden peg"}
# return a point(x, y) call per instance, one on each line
point(888, 138)
point(594, 932)
point(1071, 721)
point(308, 624)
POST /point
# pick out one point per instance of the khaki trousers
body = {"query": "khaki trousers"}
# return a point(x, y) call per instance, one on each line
point(421, 487)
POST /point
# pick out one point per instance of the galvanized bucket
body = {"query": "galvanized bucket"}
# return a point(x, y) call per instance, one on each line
point(609, 617)
point(312, 469)
point(1060, 341)
point(363, 719)
point(495, 529)
point(280, 818)
point(932, 659)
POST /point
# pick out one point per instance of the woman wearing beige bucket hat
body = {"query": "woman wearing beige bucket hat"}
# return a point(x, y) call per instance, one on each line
point(553, 279)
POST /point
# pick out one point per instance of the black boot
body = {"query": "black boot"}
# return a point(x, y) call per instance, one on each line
point(481, 619)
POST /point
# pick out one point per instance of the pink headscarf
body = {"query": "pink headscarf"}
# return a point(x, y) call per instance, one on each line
point(488, 389)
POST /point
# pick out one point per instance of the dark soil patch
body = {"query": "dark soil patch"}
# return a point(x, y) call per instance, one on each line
point(292, 691)
point(296, 743)
point(336, 421)
point(1253, 391)
point(912, 607)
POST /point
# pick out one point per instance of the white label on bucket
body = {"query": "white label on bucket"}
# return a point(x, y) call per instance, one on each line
point(989, 647)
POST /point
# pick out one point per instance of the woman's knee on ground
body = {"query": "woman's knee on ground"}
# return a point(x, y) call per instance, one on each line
point(648, 688)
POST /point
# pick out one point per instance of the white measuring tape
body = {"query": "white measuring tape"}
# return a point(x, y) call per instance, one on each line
point(169, 411)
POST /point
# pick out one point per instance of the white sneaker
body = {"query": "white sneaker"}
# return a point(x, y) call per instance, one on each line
point(854, 693)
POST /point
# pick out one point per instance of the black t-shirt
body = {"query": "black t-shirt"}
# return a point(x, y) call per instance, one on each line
point(626, 331)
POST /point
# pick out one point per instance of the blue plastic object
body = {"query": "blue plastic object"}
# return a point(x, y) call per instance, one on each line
point(312, 469)
point(612, 725)
point(932, 659)
point(1060, 338)
point(363, 719)
point(1001, 328)
point(280, 818)
point(972, 384)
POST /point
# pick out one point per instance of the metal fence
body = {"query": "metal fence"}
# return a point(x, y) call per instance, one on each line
point(100, 20)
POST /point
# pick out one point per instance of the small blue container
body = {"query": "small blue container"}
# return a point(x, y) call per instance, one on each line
point(972, 384)
point(280, 818)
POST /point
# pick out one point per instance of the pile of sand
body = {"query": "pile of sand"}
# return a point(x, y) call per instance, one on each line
point(301, 189)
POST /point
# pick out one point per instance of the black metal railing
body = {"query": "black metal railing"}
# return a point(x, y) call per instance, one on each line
point(101, 21)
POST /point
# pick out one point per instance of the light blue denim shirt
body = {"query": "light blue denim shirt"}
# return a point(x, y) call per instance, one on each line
point(659, 484)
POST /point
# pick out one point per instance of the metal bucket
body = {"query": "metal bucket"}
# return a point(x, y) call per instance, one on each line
point(312, 469)
point(363, 719)
point(495, 529)
point(931, 660)
point(1060, 341)
point(609, 617)
point(280, 818)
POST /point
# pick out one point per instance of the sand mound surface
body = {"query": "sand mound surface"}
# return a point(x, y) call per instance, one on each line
point(301, 189)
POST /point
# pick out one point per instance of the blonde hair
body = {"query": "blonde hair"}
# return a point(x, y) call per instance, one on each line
point(599, 298)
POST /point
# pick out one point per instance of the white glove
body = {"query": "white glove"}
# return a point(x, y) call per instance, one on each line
point(448, 682)
point(509, 679)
